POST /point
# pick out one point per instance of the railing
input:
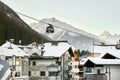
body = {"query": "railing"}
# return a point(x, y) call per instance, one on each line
point(21, 78)
point(45, 78)
point(54, 78)
point(96, 77)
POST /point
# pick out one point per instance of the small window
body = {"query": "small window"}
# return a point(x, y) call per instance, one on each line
point(98, 71)
point(17, 62)
point(52, 73)
point(88, 70)
point(17, 74)
point(80, 67)
point(29, 73)
point(76, 59)
point(42, 73)
point(29, 63)
point(76, 66)
point(81, 74)
point(34, 63)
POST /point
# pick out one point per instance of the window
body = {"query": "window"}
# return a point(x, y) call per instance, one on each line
point(88, 70)
point(80, 67)
point(76, 59)
point(17, 62)
point(59, 63)
point(76, 66)
point(29, 73)
point(42, 73)
point(17, 74)
point(34, 63)
point(98, 71)
point(11, 73)
point(52, 73)
point(81, 74)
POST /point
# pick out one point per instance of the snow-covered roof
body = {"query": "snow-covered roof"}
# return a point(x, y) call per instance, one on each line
point(98, 61)
point(83, 61)
point(107, 49)
point(56, 50)
point(14, 50)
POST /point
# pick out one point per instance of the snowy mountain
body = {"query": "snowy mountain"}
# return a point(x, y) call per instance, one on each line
point(109, 37)
point(63, 31)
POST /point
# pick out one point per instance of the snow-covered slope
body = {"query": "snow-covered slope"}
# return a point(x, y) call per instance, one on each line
point(109, 37)
point(63, 31)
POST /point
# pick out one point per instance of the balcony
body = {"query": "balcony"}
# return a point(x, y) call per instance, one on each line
point(45, 78)
point(67, 67)
point(96, 77)
point(54, 78)
point(21, 78)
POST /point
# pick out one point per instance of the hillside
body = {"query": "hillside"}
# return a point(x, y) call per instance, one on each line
point(12, 27)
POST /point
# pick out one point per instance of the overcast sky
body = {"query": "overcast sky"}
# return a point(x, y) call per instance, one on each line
point(93, 16)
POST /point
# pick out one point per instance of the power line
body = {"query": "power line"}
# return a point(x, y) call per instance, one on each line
point(84, 35)
point(28, 16)
point(53, 13)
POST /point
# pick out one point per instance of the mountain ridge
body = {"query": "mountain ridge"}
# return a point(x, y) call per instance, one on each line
point(13, 27)
point(63, 31)
point(57, 23)
point(107, 36)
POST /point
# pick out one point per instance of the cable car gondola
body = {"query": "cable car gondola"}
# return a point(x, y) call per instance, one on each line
point(50, 28)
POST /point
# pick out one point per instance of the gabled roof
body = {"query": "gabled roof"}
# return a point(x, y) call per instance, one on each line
point(107, 49)
point(101, 62)
point(108, 56)
point(6, 50)
point(57, 50)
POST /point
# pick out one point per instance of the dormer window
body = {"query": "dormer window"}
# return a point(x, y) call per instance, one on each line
point(34, 63)
point(35, 54)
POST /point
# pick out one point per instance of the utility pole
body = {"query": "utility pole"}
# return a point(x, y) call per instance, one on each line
point(63, 67)
point(109, 74)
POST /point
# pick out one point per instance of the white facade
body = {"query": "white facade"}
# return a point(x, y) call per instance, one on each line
point(44, 68)
point(59, 49)
point(114, 72)
point(108, 67)
point(16, 59)
point(77, 68)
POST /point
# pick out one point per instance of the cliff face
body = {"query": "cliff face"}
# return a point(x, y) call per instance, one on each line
point(12, 27)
